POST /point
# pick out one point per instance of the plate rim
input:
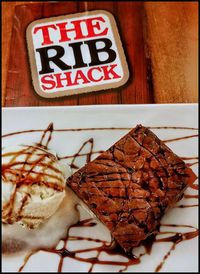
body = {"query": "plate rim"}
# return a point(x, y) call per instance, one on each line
point(108, 106)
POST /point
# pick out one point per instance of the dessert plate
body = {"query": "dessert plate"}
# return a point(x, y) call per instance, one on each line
point(79, 134)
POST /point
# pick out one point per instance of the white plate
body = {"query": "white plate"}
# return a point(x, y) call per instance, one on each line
point(185, 256)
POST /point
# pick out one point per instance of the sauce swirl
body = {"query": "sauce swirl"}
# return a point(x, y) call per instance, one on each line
point(111, 248)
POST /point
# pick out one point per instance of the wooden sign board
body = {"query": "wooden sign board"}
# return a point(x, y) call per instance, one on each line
point(135, 86)
point(77, 53)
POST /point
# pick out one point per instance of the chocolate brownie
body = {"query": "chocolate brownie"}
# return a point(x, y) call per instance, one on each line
point(131, 185)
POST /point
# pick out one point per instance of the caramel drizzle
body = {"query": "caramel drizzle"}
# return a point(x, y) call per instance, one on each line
point(192, 164)
point(180, 138)
point(64, 252)
point(108, 247)
point(187, 196)
point(90, 129)
point(23, 175)
point(175, 239)
point(88, 155)
point(189, 158)
point(46, 134)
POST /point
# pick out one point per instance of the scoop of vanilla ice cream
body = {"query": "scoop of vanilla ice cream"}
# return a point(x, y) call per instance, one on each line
point(33, 185)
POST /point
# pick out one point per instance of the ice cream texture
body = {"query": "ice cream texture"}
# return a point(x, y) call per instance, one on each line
point(33, 185)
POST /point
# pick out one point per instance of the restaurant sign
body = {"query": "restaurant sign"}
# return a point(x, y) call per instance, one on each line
point(76, 54)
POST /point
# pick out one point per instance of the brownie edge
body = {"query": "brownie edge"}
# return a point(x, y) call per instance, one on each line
point(130, 186)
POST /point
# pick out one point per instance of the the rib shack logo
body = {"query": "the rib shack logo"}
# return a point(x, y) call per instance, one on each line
point(76, 54)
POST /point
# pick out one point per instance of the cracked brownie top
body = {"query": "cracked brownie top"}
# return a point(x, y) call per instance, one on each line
point(131, 185)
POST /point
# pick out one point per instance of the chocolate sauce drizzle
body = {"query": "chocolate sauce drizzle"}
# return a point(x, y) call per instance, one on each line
point(110, 248)
point(180, 138)
point(91, 129)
